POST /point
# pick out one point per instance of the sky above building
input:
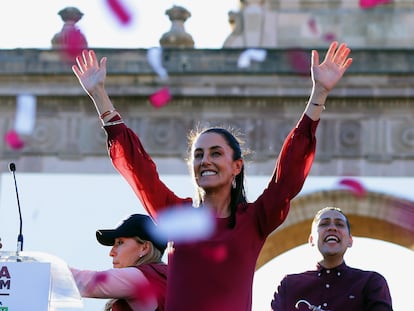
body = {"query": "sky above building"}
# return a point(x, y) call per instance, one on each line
point(32, 24)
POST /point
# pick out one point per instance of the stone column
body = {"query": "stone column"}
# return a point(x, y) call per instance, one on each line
point(253, 26)
point(177, 36)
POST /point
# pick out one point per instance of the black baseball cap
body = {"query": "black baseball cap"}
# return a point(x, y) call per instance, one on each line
point(138, 225)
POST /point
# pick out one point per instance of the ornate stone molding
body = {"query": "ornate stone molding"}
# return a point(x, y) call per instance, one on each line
point(367, 128)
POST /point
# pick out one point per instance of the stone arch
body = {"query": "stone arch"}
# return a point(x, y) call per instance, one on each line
point(374, 215)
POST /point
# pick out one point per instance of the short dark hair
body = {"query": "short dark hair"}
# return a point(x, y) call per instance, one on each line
point(331, 208)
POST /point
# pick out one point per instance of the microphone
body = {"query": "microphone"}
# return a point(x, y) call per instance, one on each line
point(12, 168)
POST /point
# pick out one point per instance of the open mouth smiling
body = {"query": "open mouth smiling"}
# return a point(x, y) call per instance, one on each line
point(332, 238)
point(208, 173)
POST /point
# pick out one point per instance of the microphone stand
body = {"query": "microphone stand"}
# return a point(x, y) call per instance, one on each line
point(12, 168)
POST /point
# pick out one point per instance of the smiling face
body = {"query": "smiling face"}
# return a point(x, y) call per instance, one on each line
point(213, 164)
point(330, 232)
point(126, 252)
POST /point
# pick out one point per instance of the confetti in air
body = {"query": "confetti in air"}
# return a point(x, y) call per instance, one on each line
point(13, 140)
point(75, 42)
point(154, 58)
point(25, 114)
point(366, 4)
point(24, 121)
point(249, 55)
point(300, 61)
point(313, 26)
point(353, 185)
point(161, 97)
point(329, 37)
point(120, 11)
point(185, 224)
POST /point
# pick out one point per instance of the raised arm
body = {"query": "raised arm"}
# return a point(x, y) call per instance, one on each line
point(326, 75)
point(127, 154)
point(298, 151)
point(91, 74)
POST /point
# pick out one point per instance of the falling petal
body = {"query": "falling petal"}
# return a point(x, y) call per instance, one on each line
point(13, 140)
point(120, 11)
point(185, 224)
point(354, 186)
point(365, 4)
point(154, 58)
point(329, 37)
point(74, 43)
point(299, 61)
point(25, 114)
point(313, 26)
point(161, 97)
point(248, 55)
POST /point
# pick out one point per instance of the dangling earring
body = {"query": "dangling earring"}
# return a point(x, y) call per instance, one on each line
point(233, 183)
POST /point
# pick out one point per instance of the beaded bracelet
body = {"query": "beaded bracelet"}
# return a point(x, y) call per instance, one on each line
point(319, 105)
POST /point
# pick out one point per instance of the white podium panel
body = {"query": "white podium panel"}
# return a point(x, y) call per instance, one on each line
point(24, 286)
point(36, 281)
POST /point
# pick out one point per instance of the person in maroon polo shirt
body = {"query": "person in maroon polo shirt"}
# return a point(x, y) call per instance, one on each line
point(332, 286)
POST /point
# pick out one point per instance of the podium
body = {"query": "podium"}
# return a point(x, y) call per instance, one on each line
point(36, 281)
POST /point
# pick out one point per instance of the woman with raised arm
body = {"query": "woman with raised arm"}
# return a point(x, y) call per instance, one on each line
point(217, 273)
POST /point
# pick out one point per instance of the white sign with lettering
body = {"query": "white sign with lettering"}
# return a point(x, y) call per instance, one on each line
point(24, 286)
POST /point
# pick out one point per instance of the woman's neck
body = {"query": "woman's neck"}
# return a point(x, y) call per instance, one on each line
point(219, 205)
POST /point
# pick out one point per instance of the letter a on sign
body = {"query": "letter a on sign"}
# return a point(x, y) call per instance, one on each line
point(4, 272)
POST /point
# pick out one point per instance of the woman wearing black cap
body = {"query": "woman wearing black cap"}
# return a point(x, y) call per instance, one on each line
point(138, 280)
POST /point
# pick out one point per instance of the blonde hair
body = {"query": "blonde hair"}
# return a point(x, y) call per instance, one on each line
point(154, 255)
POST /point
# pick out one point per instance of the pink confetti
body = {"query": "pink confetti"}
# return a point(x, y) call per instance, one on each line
point(312, 25)
point(72, 43)
point(300, 61)
point(329, 37)
point(354, 186)
point(161, 97)
point(120, 11)
point(365, 4)
point(13, 140)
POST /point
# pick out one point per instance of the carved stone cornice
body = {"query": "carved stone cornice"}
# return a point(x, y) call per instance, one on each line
point(367, 128)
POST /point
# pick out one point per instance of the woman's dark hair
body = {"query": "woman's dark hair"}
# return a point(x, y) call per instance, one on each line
point(238, 193)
